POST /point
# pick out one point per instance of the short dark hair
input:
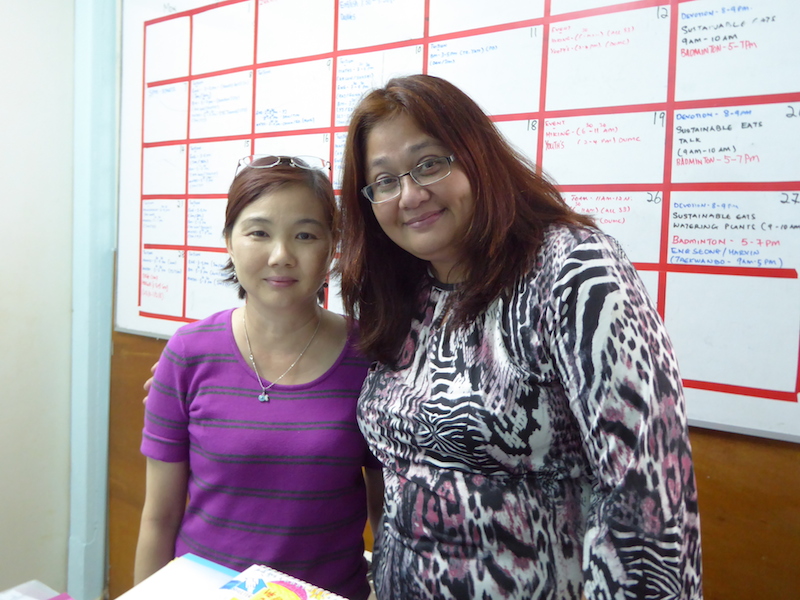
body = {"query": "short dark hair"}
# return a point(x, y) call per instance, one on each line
point(251, 183)
point(514, 203)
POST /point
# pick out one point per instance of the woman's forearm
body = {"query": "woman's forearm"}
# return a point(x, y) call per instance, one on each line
point(156, 547)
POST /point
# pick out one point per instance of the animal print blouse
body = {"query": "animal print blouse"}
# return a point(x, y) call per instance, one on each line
point(542, 452)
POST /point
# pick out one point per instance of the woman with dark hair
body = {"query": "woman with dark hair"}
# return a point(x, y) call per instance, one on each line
point(251, 411)
point(526, 402)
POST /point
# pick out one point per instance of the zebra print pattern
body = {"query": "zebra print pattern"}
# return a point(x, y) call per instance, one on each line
point(541, 452)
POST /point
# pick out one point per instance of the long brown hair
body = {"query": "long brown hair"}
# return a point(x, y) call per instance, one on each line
point(513, 204)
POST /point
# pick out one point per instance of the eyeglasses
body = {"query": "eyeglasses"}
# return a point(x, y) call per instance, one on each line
point(425, 173)
point(265, 161)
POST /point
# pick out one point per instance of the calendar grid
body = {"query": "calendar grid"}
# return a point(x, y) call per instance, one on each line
point(683, 173)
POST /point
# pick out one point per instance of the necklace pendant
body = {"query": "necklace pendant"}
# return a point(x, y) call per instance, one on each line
point(262, 397)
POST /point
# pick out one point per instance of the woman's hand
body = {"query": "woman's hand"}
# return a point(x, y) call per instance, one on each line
point(149, 383)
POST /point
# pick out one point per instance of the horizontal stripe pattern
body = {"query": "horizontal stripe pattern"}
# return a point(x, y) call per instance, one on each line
point(277, 483)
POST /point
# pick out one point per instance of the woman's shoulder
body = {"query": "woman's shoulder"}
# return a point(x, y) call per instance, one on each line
point(211, 326)
point(560, 238)
point(343, 334)
point(211, 322)
point(563, 241)
point(565, 250)
point(352, 344)
point(342, 364)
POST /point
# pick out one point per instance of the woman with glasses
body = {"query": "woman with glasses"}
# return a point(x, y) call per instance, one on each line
point(251, 412)
point(526, 403)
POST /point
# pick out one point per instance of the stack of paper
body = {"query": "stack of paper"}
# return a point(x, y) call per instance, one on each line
point(265, 583)
point(33, 590)
point(193, 577)
point(187, 576)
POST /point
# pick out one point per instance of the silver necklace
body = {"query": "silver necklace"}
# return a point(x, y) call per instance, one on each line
point(263, 396)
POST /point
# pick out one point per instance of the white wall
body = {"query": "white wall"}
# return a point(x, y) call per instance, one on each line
point(36, 204)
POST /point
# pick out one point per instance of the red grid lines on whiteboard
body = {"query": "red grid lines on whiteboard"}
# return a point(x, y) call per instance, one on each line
point(673, 122)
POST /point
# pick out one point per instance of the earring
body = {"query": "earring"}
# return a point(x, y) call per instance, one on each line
point(235, 277)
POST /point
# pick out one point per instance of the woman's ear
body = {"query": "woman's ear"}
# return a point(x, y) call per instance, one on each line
point(230, 257)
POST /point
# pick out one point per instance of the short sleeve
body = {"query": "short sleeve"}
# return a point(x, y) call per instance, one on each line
point(165, 436)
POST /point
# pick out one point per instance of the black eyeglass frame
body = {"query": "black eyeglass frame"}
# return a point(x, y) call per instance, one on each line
point(368, 192)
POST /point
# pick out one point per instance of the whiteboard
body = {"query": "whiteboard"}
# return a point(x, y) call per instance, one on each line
point(675, 123)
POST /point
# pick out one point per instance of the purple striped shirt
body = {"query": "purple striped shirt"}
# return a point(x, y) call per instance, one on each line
point(276, 483)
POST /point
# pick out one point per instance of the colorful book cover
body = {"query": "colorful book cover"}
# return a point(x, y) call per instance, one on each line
point(259, 582)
